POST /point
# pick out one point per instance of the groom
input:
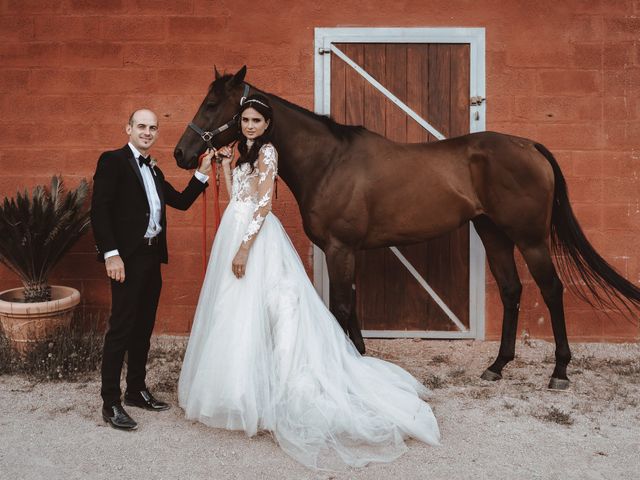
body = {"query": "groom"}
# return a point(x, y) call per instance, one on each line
point(128, 216)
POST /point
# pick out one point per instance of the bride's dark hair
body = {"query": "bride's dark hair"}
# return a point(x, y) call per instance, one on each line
point(261, 104)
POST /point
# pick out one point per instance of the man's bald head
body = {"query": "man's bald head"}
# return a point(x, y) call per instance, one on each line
point(142, 129)
point(144, 111)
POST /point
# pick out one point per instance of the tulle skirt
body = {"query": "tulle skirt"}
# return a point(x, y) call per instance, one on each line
point(266, 354)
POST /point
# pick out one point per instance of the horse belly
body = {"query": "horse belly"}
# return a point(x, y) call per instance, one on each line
point(417, 221)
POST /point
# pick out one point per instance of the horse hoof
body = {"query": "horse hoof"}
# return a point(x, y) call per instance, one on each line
point(490, 376)
point(558, 383)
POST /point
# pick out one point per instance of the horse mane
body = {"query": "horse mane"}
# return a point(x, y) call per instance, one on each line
point(339, 130)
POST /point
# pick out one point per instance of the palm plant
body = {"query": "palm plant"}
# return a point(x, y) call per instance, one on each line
point(36, 231)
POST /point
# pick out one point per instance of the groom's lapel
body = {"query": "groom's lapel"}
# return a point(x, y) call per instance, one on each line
point(133, 163)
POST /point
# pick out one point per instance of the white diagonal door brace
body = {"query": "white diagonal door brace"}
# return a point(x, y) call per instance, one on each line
point(423, 283)
point(424, 124)
point(403, 106)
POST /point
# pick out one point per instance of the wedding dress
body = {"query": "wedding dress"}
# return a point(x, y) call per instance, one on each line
point(266, 354)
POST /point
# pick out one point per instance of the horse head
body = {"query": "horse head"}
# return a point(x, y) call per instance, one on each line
point(214, 121)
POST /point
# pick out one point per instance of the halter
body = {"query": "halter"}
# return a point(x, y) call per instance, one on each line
point(208, 136)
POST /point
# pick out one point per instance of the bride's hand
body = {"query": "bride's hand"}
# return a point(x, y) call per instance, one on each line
point(239, 264)
point(225, 154)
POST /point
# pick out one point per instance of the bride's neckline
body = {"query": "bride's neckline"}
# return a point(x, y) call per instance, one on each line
point(249, 144)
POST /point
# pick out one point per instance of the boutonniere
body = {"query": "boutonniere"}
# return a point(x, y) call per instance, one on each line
point(152, 163)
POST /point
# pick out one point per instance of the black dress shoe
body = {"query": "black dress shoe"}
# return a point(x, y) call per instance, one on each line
point(144, 399)
point(118, 418)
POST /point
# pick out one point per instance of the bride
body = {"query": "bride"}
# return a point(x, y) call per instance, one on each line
point(266, 354)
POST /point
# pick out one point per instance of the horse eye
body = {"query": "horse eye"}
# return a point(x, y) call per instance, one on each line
point(212, 104)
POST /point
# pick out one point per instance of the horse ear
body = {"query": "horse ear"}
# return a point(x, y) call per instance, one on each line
point(216, 72)
point(238, 78)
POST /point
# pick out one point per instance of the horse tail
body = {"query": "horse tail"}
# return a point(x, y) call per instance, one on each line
point(578, 260)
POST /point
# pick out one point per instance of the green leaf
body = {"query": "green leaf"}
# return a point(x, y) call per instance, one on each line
point(36, 231)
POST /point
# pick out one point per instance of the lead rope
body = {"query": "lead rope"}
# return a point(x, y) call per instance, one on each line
point(216, 212)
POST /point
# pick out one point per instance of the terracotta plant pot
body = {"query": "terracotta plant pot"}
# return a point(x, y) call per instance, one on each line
point(27, 324)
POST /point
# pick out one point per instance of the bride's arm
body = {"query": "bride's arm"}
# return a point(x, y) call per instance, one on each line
point(226, 169)
point(226, 153)
point(267, 166)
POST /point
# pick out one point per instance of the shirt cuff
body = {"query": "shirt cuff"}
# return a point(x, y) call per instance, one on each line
point(111, 253)
point(201, 176)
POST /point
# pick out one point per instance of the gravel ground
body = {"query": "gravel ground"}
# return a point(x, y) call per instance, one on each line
point(511, 429)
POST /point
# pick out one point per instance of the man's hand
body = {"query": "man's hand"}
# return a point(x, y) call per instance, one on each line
point(239, 263)
point(115, 268)
point(205, 163)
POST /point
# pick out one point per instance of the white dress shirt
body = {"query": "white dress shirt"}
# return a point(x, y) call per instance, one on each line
point(155, 209)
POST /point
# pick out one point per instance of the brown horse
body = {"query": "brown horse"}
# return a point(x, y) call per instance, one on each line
point(358, 190)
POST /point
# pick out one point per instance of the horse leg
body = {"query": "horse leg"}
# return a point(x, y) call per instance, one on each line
point(499, 250)
point(354, 326)
point(341, 263)
point(544, 273)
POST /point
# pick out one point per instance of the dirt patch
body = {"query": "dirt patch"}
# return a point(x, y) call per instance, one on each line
point(513, 428)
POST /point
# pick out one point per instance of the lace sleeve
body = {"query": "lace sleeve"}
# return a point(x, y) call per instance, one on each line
point(267, 166)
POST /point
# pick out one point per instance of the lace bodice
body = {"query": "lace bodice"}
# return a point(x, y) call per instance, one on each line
point(256, 187)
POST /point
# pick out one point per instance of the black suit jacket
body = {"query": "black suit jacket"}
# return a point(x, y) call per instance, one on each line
point(119, 205)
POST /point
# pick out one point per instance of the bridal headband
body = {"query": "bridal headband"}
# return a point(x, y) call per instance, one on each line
point(253, 100)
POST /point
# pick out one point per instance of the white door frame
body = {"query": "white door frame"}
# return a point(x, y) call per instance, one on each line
point(475, 37)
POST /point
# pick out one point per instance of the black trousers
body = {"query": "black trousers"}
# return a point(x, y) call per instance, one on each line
point(134, 303)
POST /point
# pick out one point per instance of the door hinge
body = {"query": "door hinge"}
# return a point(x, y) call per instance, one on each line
point(323, 51)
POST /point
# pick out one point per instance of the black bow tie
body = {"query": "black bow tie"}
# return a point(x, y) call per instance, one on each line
point(144, 161)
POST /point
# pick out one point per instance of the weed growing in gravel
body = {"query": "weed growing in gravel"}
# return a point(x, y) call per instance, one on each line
point(629, 368)
point(549, 358)
point(434, 381)
point(69, 355)
point(167, 352)
point(457, 376)
point(481, 393)
point(8, 359)
point(588, 362)
point(554, 415)
point(166, 356)
point(457, 372)
point(440, 358)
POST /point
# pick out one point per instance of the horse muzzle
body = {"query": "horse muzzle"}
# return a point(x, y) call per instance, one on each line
point(186, 162)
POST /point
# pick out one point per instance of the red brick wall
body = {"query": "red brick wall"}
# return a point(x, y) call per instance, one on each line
point(564, 73)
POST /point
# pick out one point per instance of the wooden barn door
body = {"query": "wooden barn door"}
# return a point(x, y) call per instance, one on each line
point(423, 287)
